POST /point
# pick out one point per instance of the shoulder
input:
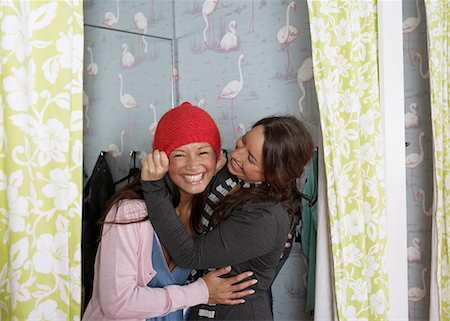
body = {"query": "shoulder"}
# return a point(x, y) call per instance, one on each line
point(265, 207)
point(267, 211)
point(128, 210)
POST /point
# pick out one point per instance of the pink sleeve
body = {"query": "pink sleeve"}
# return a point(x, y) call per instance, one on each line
point(118, 273)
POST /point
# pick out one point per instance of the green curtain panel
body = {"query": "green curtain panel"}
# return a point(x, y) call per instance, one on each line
point(41, 124)
point(438, 34)
point(344, 45)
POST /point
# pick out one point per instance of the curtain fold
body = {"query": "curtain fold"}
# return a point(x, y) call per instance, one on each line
point(438, 37)
point(344, 45)
point(325, 302)
point(40, 159)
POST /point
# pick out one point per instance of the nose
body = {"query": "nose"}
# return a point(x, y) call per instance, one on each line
point(192, 163)
point(238, 154)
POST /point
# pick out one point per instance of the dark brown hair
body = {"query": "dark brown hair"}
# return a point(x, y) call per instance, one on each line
point(287, 148)
point(133, 190)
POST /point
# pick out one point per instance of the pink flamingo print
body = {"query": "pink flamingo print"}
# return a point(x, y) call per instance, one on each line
point(232, 89)
point(414, 251)
point(152, 12)
point(230, 40)
point(92, 68)
point(207, 11)
point(251, 26)
point(86, 108)
point(424, 75)
point(417, 294)
point(411, 117)
point(202, 103)
point(241, 129)
point(141, 24)
point(413, 160)
point(127, 101)
point(127, 57)
point(409, 25)
point(304, 75)
point(113, 150)
point(286, 35)
point(175, 75)
point(152, 127)
point(109, 18)
point(429, 211)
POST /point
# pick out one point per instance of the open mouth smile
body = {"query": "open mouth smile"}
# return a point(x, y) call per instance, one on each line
point(194, 179)
point(235, 164)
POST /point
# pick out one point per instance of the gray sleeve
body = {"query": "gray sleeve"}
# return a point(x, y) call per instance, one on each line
point(248, 233)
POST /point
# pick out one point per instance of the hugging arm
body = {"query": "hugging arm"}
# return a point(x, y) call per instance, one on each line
point(244, 235)
point(120, 294)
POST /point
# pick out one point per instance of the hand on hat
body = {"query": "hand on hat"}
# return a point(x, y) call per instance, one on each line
point(155, 166)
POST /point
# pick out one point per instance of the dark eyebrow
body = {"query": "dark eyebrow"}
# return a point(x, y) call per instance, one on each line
point(251, 155)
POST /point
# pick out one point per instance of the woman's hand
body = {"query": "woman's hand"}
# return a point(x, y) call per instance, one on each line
point(155, 166)
point(228, 290)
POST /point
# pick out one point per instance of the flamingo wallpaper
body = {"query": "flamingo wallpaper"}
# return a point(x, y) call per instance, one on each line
point(127, 81)
point(419, 162)
point(240, 60)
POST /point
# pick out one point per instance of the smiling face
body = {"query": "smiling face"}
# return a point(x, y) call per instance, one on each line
point(247, 161)
point(192, 166)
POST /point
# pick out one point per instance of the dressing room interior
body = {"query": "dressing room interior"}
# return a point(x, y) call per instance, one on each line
point(370, 80)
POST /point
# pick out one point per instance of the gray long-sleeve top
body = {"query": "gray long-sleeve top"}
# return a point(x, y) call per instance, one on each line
point(251, 239)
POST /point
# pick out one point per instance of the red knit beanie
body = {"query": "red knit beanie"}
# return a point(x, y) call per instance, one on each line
point(183, 125)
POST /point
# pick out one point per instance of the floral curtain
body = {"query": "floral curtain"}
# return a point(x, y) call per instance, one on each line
point(344, 44)
point(438, 34)
point(40, 159)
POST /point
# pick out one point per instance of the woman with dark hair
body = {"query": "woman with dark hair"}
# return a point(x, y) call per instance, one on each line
point(135, 277)
point(251, 222)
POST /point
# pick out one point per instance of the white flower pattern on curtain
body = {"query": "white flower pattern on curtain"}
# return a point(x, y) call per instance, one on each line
point(438, 34)
point(40, 159)
point(344, 44)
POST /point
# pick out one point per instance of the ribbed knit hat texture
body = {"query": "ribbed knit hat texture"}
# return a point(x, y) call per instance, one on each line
point(183, 125)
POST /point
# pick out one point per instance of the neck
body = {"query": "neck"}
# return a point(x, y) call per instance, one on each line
point(184, 211)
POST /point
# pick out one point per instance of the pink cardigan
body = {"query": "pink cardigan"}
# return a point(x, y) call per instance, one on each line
point(123, 268)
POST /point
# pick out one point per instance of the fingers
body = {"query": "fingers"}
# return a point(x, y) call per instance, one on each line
point(238, 288)
point(288, 243)
point(219, 272)
point(238, 278)
point(165, 161)
point(233, 302)
point(155, 166)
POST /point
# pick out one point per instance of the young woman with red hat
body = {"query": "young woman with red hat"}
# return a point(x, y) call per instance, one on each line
point(135, 277)
point(250, 223)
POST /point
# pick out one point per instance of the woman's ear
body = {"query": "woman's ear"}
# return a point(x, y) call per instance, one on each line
point(221, 161)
